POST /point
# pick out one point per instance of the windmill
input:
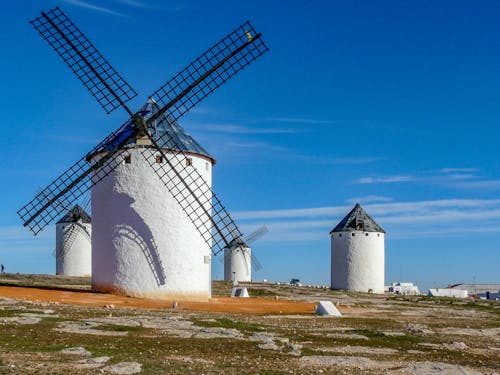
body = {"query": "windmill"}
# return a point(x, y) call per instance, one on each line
point(73, 242)
point(239, 260)
point(155, 216)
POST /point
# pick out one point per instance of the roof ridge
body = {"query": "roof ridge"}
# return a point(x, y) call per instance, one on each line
point(74, 215)
point(357, 219)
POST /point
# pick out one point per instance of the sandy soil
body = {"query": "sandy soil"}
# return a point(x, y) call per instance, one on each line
point(219, 304)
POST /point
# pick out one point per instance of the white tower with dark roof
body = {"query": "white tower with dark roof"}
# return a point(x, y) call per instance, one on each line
point(143, 242)
point(358, 253)
point(238, 264)
point(73, 243)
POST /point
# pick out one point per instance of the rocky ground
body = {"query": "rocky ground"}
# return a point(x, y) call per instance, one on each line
point(376, 335)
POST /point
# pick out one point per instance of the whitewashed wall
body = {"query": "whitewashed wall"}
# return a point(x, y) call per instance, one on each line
point(358, 262)
point(143, 243)
point(73, 249)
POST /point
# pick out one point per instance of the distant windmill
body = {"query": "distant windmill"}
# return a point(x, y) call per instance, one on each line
point(239, 260)
point(73, 242)
point(155, 216)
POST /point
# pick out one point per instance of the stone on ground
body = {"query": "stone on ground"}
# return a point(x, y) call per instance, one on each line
point(125, 368)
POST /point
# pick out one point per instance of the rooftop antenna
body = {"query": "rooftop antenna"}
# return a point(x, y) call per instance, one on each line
point(171, 101)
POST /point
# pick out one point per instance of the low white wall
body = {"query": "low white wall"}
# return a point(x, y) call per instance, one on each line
point(448, 292)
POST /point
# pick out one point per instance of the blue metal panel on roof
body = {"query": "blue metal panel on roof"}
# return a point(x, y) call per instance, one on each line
point(179, 139)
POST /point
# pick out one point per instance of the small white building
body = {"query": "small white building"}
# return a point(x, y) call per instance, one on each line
point(406, 289)
point(476, 288)
point(448, 292)
point(358, 253)
point(73, 243)
point(238, 264)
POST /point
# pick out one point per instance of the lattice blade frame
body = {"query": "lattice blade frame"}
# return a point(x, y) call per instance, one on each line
point(176, 97)
point(257, 266)
point(209, 71)
point(255, 235)
point(60, 195)
point(86, 62)
point(194, 195)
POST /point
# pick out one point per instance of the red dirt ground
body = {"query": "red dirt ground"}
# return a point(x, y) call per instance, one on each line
point(219, 304)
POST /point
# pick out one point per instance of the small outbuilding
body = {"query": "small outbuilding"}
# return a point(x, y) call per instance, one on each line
point(406, 289)
point(448, 292)
point(358, 253)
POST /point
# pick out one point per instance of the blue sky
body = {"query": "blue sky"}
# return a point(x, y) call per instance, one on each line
point(391, 103)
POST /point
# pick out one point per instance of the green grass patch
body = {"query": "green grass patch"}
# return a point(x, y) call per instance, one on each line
point(43, 280)
point(10, 312)
point(379, 339)
point(258, 292)
point(369, 333)
point(305, 351)
point(375, 339)
point(371, 323)
point(118, 328)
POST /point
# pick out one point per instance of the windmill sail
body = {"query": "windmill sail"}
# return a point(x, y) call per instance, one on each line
point(192, 192)
point(91, 68)
point(242, 244)
point(61, 194)
point(205, 74)
point(209, 71)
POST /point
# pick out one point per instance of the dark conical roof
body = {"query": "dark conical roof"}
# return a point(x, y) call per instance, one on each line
point(74, 215)
point(177, 139)
point(357, 219)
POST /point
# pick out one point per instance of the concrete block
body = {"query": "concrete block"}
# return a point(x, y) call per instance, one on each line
point(327, 308)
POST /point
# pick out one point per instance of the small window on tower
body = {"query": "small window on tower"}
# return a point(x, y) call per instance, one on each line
point(189, 162)
point(352, 234)
point(206, 165)
point(127, 159)
point(366, 234)
point(340, 234)
point(159, 159)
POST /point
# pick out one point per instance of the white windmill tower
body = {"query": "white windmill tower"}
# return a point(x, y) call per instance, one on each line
point(141, 232)
point(358, 253)
point(239, 260)
point(155, 216)
point(73, 243)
